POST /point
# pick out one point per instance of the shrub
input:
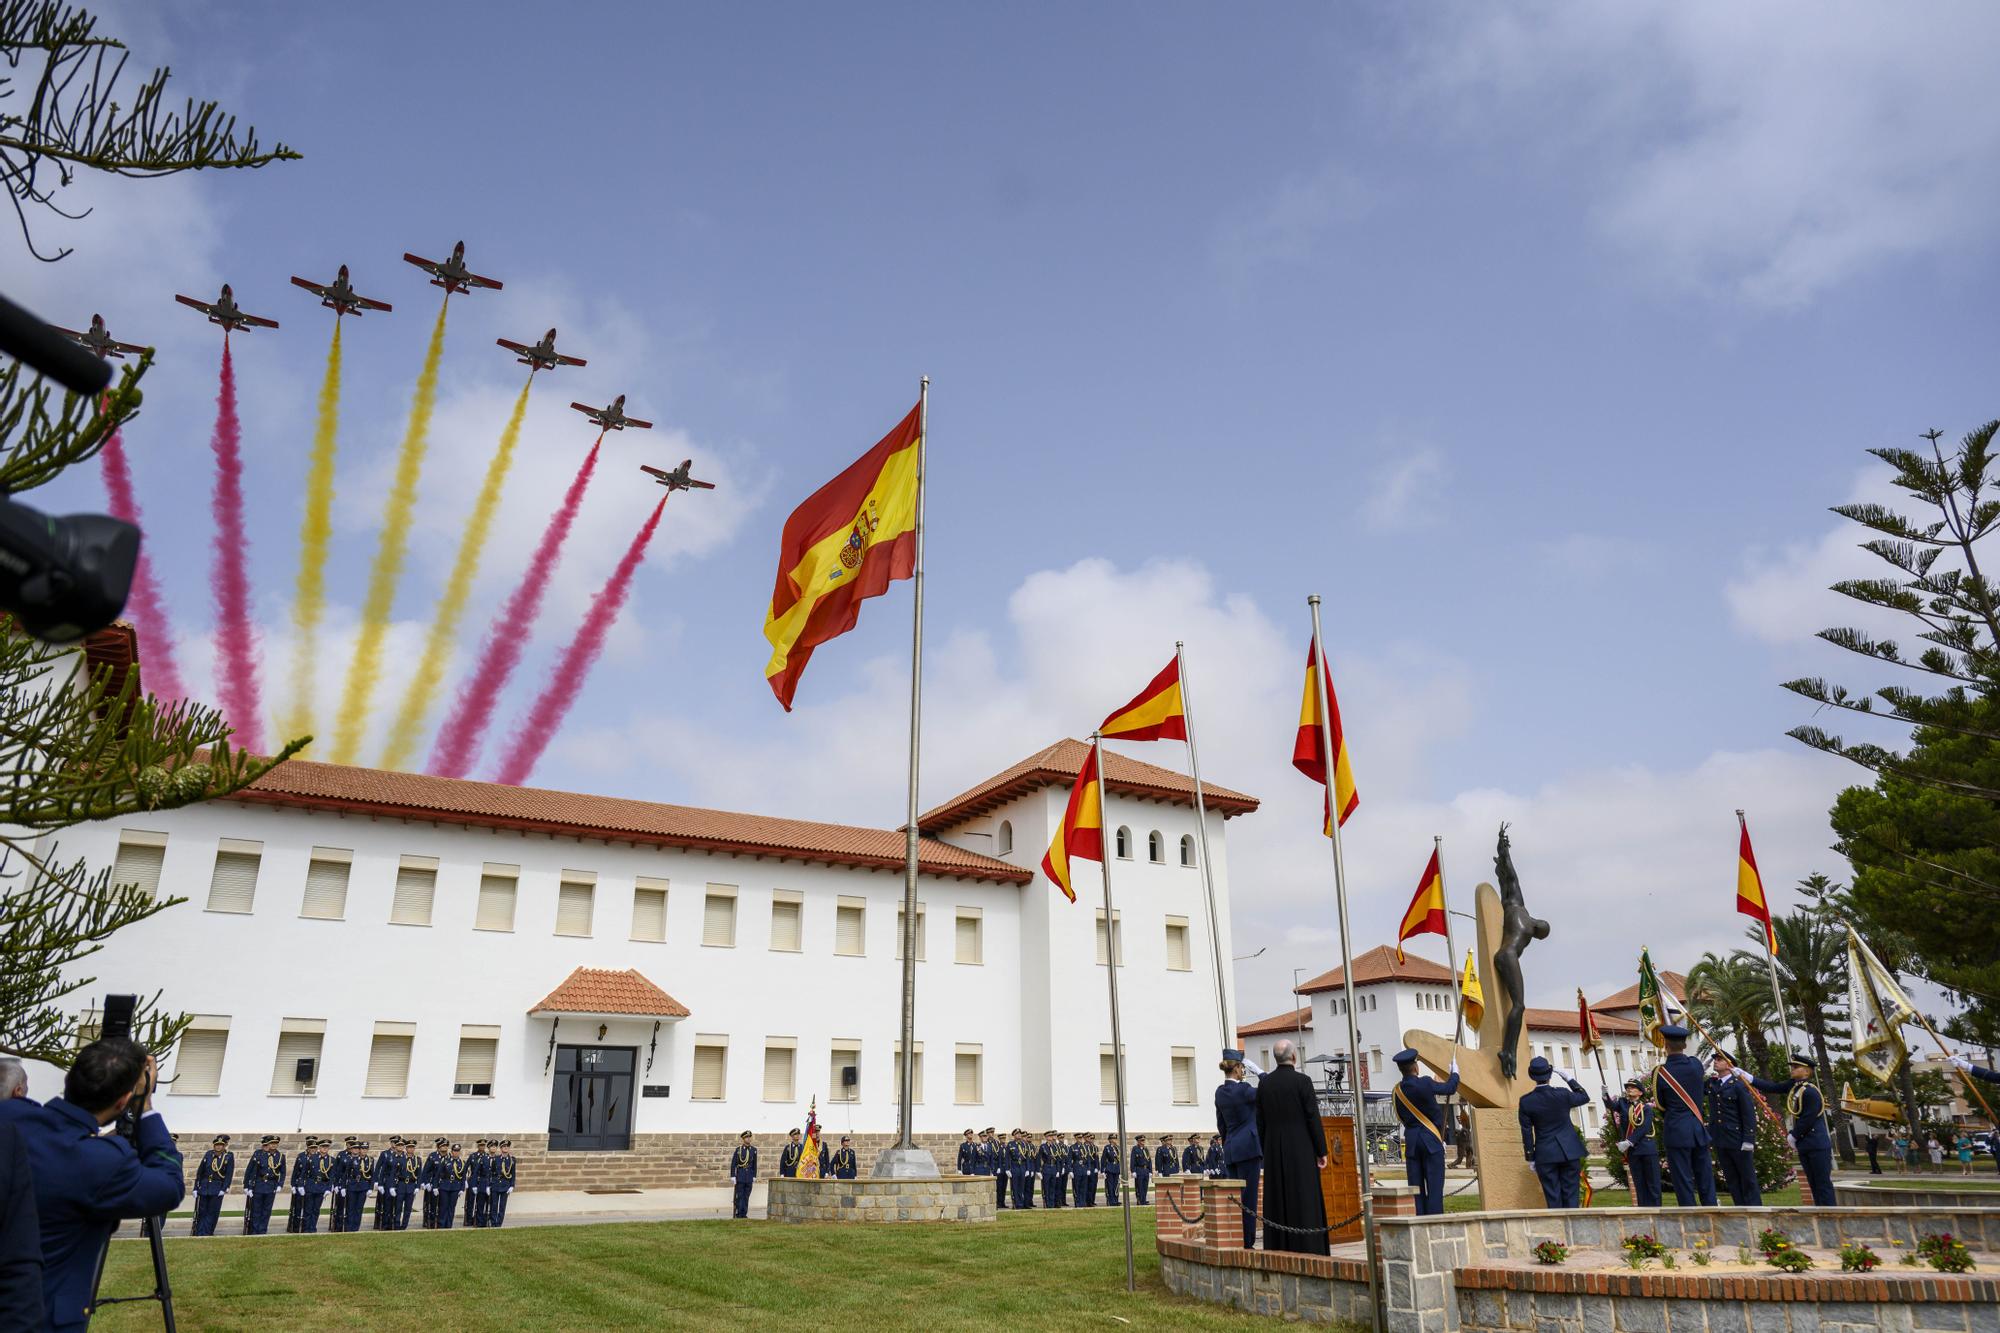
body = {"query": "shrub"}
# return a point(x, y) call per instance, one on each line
point(1791, 1259)
point(1858, 1258)
point(1550, 1252)
point(1645, 1243)
point(1945, 1253)
point(1772, 1241)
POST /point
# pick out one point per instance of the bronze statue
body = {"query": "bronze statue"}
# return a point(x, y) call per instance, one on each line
point(1517, 930)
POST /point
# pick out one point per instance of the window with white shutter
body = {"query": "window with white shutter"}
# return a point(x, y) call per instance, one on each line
point(844, 1079)
point(574, 901)
point(916, 1074)
point(966, 1088)
point(499, 890)
point(1183, 1059)
point(850, 917)
point(1177, 945)
point(711, 1064)
point(787, 921)
point(1116, 937)
point(920, 932)
point(326, 884)
point(968, 947)
point(478, 1057)
point(198, 1058)
point(232, 887)
point(780, 1062)
point(718, 917)
point(140, 856)
point(416, 886)
point(1107, 1075)
point(298, 1039)
point(649, 911)
point(389, 1060)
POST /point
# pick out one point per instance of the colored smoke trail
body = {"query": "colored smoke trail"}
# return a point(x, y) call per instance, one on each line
point(145, 605)
point(525, 750)
point(315, 538)
point(366, 668)
point(235, 636)
point(403, 736)
point(458, 740)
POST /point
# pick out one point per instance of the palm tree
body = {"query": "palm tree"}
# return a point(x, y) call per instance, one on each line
point(1735, 997)
point(1812, 974)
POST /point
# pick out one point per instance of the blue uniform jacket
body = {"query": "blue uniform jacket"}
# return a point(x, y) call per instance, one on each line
point(383, 1178)
point(501, 1178)
point(1639, 1130)
point(743, 1165)
point(1236, 1121)
point(1423, 1094)
point(1732, 1113)
point(100, 1180)
point(1142, 1162)
point(1107, 1161)
point(1808, 1111)
point(216, 1173)
point(1680, 1125)
point(1990, 1075)
point(266, 1172)
point(1164, 1160)
point(1547, 1136)
point(312, 1172)
point(20, 1237)
point(1191, 1159)
point(969, 1160)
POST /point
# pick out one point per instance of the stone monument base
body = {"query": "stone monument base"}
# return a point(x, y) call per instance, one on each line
point(906, 1164)
point(875, 1199)
point(1506, 1181)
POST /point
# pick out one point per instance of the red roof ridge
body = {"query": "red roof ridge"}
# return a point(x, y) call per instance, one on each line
point(1628, 998)
point(1566, 1020)
point(1292, 1020)
point(603, 990)
point(1058, 764)
point(1378, 965)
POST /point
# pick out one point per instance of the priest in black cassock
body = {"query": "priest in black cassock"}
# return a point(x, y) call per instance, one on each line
point(1294, 1142)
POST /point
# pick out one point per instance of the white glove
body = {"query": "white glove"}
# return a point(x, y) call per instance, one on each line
point(1624, 1145)
point(1454, 1066)
point(1960, 1062)
point(1250, 1068)
point(1749, 1147)
point(1566, 1076)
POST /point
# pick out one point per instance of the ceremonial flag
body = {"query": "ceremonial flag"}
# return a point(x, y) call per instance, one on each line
point(1586, 1024)
point(1471, 998)
point(1307, 755)
point(1157, 714)
point(1652, 1002)
point(1877, 1010)
point(1425, 915)
point(848, 542)
point(809, 1151)
point(1081, 832)
point(1750, 899)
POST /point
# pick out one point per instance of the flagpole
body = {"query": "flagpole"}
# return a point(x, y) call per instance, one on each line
point(1112, 954)
point(1201, 833)
point(1770, 958)
point(1963, 1077)
point(1327, 757)
point(906, 1159)
point(1450, 963)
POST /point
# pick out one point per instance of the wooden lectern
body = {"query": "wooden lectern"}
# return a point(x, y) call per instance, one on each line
point(1340, 1182)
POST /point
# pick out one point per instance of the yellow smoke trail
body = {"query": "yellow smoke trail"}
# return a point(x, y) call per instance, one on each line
point(417, 700)
point(315, 537)
point(366, 668)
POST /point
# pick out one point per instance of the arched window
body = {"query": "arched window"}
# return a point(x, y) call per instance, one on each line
point(1156, 848)
point(1124, 843)
point(1006, 837)
point(1187, 850)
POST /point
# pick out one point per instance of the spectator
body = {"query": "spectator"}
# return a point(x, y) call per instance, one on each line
point(20, 1238)
point(1936, 1150)
point(14, 1082)
point(1965, 1154)
point(87, 1181)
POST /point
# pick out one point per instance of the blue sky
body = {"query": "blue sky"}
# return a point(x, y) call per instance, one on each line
point(1537, 340)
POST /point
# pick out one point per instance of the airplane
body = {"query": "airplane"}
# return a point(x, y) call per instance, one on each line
point(543, 355)
point(612, 417)
point(340, 297)
point(99, 341)
point(452, 275)
point(678, 479)
point(227, 313)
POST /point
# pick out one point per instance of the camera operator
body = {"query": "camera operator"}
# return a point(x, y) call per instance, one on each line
point(86, 1180)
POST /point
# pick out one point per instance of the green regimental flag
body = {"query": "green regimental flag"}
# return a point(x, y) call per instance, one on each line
point(1652, 1006)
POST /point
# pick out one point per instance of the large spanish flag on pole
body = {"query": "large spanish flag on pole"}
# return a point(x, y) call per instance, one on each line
point(1306, 753)
point(1750, 899)
point(1157, 714)
point(854, 537)
point(1081, 833)
point(1425, 915)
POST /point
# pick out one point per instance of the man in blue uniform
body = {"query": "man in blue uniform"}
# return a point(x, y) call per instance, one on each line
point(743, 1172)
point(343, 1164)
point(968, 1155)
point(359, 1187)
point(262, 1179)
point(451, 1184)
point(788, 1156)
point(1211, 1165)
point(1054, 1163)
point(1108, 1164)
point(312, 1176)
point(1166, 1161)
point(1423, 1119)
point(1634, 1119)
point(1553, 1146)
point(502, 1177)
point(1142, 1169)
point(1809, 1136)
point(1021, 1166)
point(475, 1184)
point(427, 1179)
point(843, 1162)
point(1677, 1091)
point(1732, 1120)
point(212, 1180)
point(384, 1181)
point(1192, 1157)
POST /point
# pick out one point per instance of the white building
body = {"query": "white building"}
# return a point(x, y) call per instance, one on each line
point(626, 985)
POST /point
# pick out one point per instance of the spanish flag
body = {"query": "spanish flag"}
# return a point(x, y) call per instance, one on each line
point(1587, 1034)
point(1081, 832)
point(1157, 714)
point(1750, 899)
point(854, 537)
point(1306, 753)
point(1470, 997)
point(1426, 911)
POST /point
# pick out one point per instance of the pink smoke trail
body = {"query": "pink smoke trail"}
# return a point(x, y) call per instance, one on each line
point(145, 605)
point(549, 710)
point(236, 637)
point(458, 740)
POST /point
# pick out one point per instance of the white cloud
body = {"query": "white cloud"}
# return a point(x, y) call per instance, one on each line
point(1403, 490)
point(1784, 594)
point(1287, 225)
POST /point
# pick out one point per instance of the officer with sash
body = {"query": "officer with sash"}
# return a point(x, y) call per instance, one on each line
point(1550, 1140)
point(1166, 1161)
point(1633, 1118)
point(1142, 1169)
point(843, 1162)
point(212, 1180)
point(1809, 1136)
point(1732, 1119)
point(1423, 1119)
point(312, 1175)
point(743, 1172)
point(261, 1181)
point(1677, 1090)
point(1108, 1164)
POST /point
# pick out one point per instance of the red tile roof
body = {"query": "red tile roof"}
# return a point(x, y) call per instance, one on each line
point(597, 990)
point(1378, 965)
point(1676, 984)
point(1292, 1020)
point(1058, 765)
point(317, 786)
point(1564, 1020)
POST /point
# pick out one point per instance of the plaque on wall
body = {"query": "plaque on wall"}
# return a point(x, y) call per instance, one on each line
point(653, 1090)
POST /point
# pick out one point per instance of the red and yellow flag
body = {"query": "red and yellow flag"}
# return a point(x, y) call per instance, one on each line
point(1081, 833)
point(1157, 714)
point(1307, 756)
point(854, 537)
point(1750, 899)
point(1587, 1035)
point(1426, 911)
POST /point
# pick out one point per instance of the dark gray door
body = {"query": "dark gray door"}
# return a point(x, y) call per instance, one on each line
point(590, 1106)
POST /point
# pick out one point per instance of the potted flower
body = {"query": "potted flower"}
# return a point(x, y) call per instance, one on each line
point(1550, 1252)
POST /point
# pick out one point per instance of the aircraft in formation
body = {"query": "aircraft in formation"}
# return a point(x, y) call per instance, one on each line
point(224, 311)
point(542, 356)
point(452, 274)
point(340, 297)
point(612, 417)
point(100, 341)
point(678, 479)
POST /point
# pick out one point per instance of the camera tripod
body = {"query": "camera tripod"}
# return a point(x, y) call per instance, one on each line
point(162, 1291)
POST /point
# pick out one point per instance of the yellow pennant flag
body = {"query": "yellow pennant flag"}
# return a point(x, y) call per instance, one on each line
point(1472, 998)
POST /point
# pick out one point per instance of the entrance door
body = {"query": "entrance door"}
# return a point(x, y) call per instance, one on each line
point(590, 1106)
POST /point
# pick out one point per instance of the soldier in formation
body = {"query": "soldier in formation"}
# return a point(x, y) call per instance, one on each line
point(743, 1172)
point(211, 1182)
point(262, 1179)
point(1142, 1170)
point(1634, 1119)
point(1808, 1111)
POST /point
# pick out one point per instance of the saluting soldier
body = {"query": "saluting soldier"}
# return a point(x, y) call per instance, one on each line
point(1677, 1090)
point(1549, 1137)
point(1633, 1117)
point(427, 1180)
point(1165, 1161)
point(212, 1180)
point(1732, 1119)
point(1809, 1136)
point(743, 1172)
point(788, 1156)
point(261, 1181)
point(1422, 1117)
point(1107, 1162)
point(1142, 1169)
point(845, 1167)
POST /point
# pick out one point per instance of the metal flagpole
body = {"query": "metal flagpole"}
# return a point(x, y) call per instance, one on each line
point(1346, 965)
point(1207, 874)
point(1111, 961)
point(1451, 966)
point(1777, 996)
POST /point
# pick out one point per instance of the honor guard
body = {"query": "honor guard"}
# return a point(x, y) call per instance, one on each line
point(845, 1167)
point(1142, 1169)
point(1107, 1162)
point(743, 1172)
point(1808, 1111)
point(1212, 1164)
point(995, 1152)
point(427, 1180)
point(343, 1163)
point(212, 1180)
point(1553, 1146)
point(360, 1185)
point(312, 1177)
point(788, 1156)
point(1634, 1119)
point(1422, 1116)
point(968, 1155)
point(262, 1179)
point(1020, 1163)
point(1677, 1091)
point(451, 1184)
point(1192, 1157)
point(1086, 1173)
point(502, 1176)
point(1055, 1170)
point(1732, 1122)
point(1165, 1161)
point(477, 1169)
point(384, 1181)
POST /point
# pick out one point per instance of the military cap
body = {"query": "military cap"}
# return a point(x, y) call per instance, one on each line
point(1722, 1055)
point(268, 1138)
point(1800, 1058)
point(1538, 1068)
point(1674, 1032)
point(440, 1142)
point(1406, 1056)
point(362, 1146)
point(506, 1143)
point(456, 1148)
point(1634, 1082)
point(220, 1138)
point(1138, 1138)
point(1231, 1054)
point(843, 1138)
point(351, 1141)
point(744, 1135)
point(989, 1130)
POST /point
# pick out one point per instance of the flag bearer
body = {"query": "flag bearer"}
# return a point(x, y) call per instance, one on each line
point(261, 1181)
point(1423, 1119)
point(1809, 1136)
point(743, 1172)
point(1732, 1119)
point(1634, 1118)
point(212, 1180)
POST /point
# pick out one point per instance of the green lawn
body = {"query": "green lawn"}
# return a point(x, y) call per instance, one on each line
point(1040, 1271)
